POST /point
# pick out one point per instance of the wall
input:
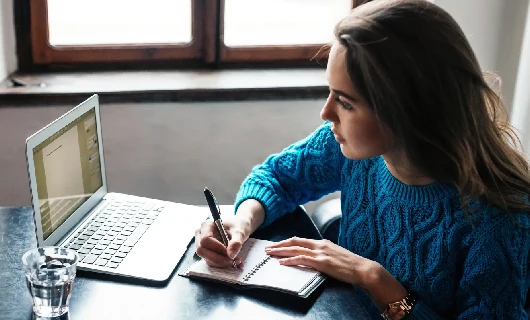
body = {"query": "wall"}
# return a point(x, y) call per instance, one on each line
point(495, 30)
point(521, 111)
point(8, 59)
point(169, 151)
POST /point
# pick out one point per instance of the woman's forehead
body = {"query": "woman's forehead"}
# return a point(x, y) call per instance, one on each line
point(336, 71)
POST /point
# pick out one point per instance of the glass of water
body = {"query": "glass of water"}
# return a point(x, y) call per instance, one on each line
point(50, 274)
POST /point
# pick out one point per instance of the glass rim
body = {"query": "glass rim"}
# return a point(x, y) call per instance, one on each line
point(28, 252)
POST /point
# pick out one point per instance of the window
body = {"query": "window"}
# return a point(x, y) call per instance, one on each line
point(81, 31)
point(278, 29)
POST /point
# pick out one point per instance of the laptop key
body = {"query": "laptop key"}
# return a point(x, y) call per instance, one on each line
point(136, 235)
point(84, 250)
point(97, 237)
point(105, 256)
point(104, 241)
point(101, 262)
point(114, 246)
point(120, 254)
point(148, 206)
point(109, 251)
point(125, 234)
point(89, 245)
point(96, 252)
point(116, 259)
point(81, 256)
point(112, 265)
point(101, 247)
point(88, 233)
point(148, 221)
point(125, 249)
point(79, 242)
point(90, 259)
point(75, 246)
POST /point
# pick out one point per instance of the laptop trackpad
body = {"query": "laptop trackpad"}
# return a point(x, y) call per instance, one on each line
point(162, 246)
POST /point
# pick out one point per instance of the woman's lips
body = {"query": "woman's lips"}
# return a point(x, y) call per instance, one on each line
point(339, 138)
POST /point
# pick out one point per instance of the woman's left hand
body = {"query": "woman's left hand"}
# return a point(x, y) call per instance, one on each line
point(324, 256)
point(341, 264)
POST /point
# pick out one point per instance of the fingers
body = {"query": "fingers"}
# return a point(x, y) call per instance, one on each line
point(291, 251)
point(212, 244)
point(209, 247)
point(208, 229)
point(308, 261)
point(215, 259)
point(297, 242)
point(235, 244)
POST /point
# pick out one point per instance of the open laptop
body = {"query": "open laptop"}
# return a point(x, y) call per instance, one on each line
point(113, 233)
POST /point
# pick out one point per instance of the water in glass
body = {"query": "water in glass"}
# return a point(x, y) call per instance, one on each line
point(50, 274)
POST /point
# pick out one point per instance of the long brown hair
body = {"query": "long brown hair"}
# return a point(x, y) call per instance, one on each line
point(411, 63)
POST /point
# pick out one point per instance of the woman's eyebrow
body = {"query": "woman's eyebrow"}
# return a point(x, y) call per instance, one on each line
point(340, 93)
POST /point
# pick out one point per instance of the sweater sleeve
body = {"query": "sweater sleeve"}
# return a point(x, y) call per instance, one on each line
point(302, 172)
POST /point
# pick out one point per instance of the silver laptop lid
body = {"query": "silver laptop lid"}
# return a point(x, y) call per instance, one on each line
point(66, 171)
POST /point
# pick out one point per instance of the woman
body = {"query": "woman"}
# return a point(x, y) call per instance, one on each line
point(434, 196)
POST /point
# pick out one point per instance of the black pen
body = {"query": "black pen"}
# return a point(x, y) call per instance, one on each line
point(216, 215)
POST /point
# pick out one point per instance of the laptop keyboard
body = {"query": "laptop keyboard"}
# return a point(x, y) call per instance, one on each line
point(111, 234)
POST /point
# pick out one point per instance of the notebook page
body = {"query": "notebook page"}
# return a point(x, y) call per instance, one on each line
point(252, 253)
point(289, 278)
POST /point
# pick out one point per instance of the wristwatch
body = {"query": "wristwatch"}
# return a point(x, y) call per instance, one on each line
point(400, 309)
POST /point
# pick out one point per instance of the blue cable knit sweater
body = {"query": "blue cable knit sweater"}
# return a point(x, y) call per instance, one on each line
point(418, 233)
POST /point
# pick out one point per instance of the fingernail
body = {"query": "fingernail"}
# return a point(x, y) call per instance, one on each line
point(231, 254)
point(267, 249)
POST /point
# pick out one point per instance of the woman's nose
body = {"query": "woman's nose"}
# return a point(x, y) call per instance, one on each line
point(327, 112)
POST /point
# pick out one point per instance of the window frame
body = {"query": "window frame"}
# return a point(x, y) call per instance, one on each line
point(43, 53)
point(206, 49)
point(270, 53)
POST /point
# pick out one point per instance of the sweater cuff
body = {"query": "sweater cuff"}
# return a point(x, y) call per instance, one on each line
point(268, 199)
point(422, 311)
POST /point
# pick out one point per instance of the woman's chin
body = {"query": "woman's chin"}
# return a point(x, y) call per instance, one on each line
point(352, 154)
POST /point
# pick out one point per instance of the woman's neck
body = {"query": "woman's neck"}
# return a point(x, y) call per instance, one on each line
point(400, 167)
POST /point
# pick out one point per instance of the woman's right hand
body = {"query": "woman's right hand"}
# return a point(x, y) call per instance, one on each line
point(208, 243)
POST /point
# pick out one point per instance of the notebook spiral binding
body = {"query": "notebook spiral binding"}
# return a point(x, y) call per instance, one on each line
point(256, 268)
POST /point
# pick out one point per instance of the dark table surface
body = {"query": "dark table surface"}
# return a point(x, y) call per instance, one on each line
point(97, 296)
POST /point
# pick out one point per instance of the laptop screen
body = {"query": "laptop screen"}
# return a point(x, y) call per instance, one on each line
point(67, 170)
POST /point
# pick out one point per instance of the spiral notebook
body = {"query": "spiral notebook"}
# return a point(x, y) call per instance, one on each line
point(261, 271)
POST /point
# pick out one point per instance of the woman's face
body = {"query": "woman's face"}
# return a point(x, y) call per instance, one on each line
point(354, 124)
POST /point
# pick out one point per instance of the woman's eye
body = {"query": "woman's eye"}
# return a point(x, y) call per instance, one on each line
point(344, 104)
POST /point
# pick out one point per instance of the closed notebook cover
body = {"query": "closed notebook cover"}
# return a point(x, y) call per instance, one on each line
point(260, 271)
